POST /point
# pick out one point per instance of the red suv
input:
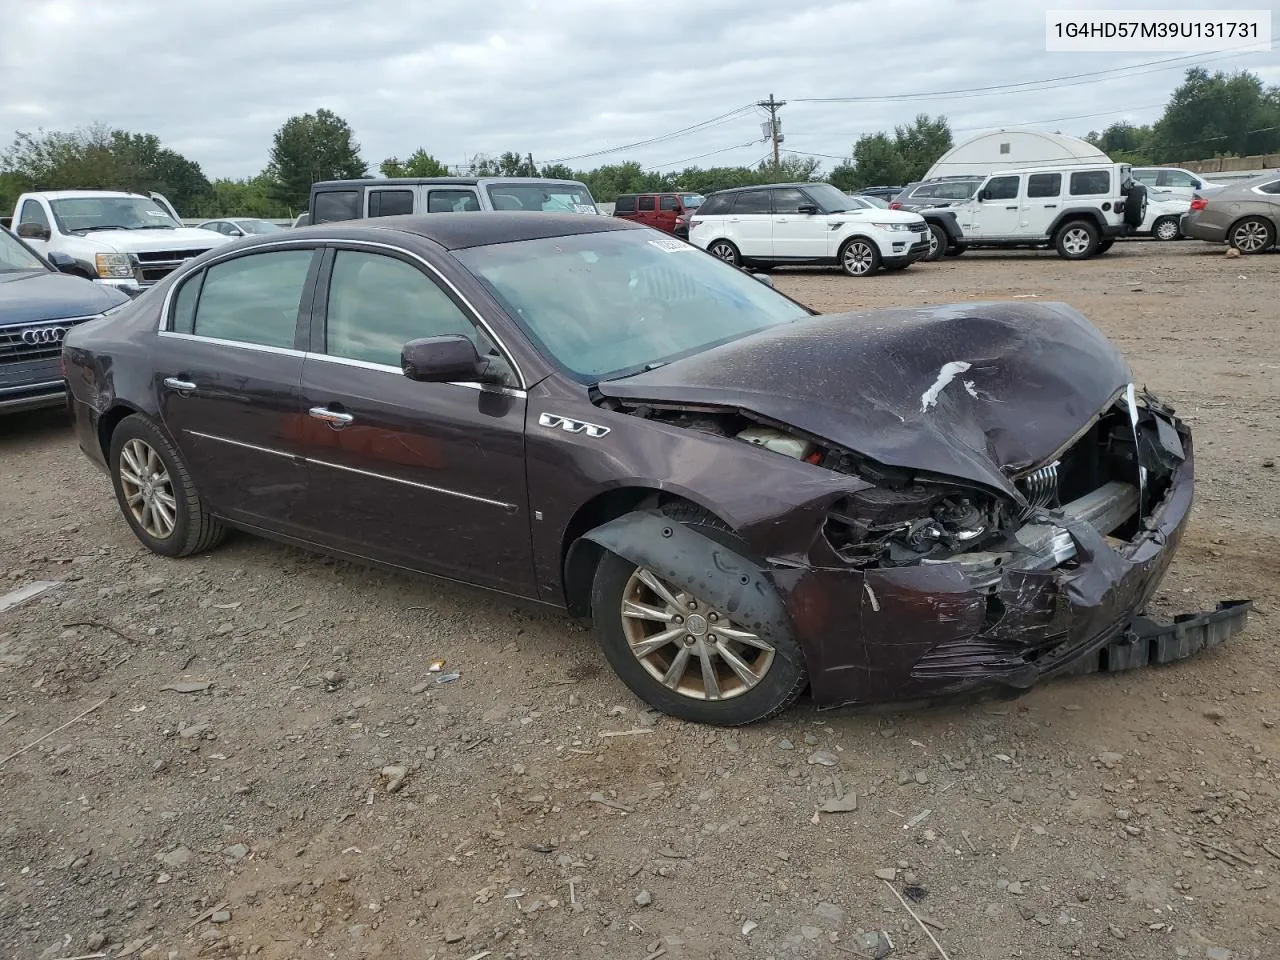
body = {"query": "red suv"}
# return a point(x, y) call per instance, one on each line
point(665, 211)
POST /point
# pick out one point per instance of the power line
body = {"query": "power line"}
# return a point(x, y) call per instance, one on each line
point(1027, 85)
point(731, 115)
point(736, 146)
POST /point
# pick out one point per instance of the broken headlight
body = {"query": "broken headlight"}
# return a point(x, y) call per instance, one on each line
point(909, 524)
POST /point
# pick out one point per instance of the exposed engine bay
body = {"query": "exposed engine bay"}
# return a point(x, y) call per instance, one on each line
point(1111, 475)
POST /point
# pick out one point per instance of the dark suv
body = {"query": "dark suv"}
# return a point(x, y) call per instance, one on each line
point(883, 192)
point(939, 192)
point(665, 211)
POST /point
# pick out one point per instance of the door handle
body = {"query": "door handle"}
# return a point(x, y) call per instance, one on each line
point(734, 220)
point(333, 418)
point(1051, 206)
point(182, 386)
point(1014, 207)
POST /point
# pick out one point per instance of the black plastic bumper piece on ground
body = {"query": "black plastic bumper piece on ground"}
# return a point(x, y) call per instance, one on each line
point(1148, 641)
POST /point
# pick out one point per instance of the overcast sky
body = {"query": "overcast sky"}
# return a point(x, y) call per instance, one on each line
point(214, 80)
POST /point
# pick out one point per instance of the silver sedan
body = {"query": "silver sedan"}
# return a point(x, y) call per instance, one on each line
point(1245, 215)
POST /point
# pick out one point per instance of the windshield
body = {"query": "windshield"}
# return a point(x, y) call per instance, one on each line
point(257, 226)
point(605, 305)
point(829, 198)
point(873, 203)
point(547, 197)
point(692, 200)
point(14, 257)
point(112, 213)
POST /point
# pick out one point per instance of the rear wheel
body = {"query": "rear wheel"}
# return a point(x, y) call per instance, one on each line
point(1166, 228)
point(938, 241)
point(726, 251)
point(685, 656)
point(859, 257)
point(1077, 240)
point(155, 491)
point(1252, 235)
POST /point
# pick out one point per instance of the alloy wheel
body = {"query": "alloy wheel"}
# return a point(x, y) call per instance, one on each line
point(1076, 241)
point(1167, 230)
point(689, 646)
point(725, 252)
point(1250, 237)
point(859, 258)
point(147, 489)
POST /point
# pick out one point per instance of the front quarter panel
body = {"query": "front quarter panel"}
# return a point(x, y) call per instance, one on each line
point(774, 503)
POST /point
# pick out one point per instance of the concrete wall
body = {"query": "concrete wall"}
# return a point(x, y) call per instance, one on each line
point(1240, 166)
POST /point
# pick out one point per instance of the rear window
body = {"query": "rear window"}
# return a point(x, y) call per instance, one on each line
point(331, 205)
point(645, 204)
point(625, 204)
point(752, 201)
point(390, 203)
point(715, 206)
point(669, 204)
point(1090, 183)
point(1044, 185)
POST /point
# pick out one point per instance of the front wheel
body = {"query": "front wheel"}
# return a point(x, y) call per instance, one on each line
point(1166, 228)
point(938, 241)
point(1252, 235)
point(686, 657)
point(155, 491)
point(1077, 240)
point(859, 257)
point(726, 251)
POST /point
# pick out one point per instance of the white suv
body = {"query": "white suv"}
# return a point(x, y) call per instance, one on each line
point(1175, 180)
point(1079, 209)
point(797, 224)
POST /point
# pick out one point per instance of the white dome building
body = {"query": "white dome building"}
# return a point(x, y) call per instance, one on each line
point(1010, 149)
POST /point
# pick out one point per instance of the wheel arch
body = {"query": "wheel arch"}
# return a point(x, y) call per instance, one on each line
point(946, 219)
point(111, 419)
point(1078, 213)
point(579, 555)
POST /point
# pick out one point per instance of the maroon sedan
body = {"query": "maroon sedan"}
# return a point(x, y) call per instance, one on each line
point(745, 499)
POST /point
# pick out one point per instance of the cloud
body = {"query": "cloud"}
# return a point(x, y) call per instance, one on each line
point(562, 79)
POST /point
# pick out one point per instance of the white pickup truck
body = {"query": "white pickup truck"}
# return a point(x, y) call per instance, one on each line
point(125, 240)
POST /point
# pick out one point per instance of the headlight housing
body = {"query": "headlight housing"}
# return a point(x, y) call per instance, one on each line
point(897, 227)
point(114, 265)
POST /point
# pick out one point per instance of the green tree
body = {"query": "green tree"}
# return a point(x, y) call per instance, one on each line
point(419, 164)
point(311, 147)
point(1123, 142)
point(559, 171)
point(920, 144)
point(876, 161)
point(1218, 114)
point(792, 168)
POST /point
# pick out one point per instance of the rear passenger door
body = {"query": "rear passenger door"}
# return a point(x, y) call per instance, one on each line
point(227, 361)
point(668, 210)
point(452, 200)
point(389, 202)
point(750, 224)
point(1042, 202)
point(647, 209)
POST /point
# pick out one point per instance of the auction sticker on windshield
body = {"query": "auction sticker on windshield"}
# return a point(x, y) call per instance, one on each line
point(672, 246)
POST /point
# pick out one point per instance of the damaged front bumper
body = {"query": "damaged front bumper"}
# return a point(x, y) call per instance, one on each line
point(1070, 602)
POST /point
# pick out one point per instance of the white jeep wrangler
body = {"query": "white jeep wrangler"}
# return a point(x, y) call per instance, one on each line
point(1079, 209)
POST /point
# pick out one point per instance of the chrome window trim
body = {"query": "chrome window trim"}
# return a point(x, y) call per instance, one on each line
point(509, 507)
point(388, 368)
point(317, 243)
point(218, 341)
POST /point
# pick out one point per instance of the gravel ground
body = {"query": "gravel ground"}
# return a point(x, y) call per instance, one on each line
point(273, 771)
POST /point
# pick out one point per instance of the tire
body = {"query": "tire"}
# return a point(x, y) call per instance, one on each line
point(938, 243)
point(726, 251)
point(1135, 205)
point(140, 451)
point(1252, 235)
point(859, 257)
point(782, 678)
point(1166, 228)
point(1076, 240)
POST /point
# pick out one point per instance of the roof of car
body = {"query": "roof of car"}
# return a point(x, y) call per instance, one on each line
point(457, 181)
point(764, 186)
point(457, 231)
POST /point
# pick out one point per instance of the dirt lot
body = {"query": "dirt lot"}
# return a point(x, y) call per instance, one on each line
point(541, 812)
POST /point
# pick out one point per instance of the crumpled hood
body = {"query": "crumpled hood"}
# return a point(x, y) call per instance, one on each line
point(33, 296)
point(977, 391)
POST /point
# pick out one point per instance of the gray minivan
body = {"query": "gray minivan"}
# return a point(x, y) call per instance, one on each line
point(388, 197)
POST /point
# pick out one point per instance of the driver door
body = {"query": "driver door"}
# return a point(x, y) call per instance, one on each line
point(995, 211)
point(428, 476)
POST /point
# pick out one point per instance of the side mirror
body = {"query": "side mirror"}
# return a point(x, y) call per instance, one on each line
point(808, 209)
point(62, 261)
point(236, 233)
point(764, 278)
point(33, 231)
point(981, 195)
point(442, 360)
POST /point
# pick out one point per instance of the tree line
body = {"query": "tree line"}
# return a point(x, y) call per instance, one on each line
point(1208, 115)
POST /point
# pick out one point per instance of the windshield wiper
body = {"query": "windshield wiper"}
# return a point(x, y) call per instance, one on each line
point(156, 226)
point(102, 226)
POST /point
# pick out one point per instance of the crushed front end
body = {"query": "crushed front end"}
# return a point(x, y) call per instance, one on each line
point(928, 590)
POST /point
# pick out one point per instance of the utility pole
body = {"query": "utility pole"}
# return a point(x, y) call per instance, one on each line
point(775, 131)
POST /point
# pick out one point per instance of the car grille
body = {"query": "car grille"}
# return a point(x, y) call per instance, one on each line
point(158, 264)
point(35, 341)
